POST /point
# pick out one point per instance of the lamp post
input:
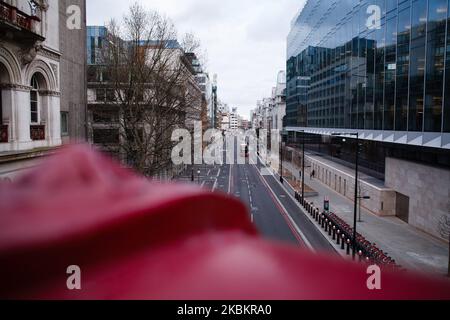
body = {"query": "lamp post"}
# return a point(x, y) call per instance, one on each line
point(303, 164)
point(281, 157)
point(361, 198)
point(355, 212)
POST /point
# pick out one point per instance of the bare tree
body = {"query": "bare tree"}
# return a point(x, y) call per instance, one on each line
point(150, 86)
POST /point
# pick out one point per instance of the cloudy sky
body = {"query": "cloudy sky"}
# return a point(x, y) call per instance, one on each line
point(245, 39)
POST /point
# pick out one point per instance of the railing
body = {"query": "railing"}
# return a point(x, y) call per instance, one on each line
point(342, 234)
point(3, 134)
point(17, 17)
point(37, 132)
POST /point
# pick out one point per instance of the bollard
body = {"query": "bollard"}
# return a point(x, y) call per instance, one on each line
point(320, 219)
point(367, 260)
point(339, 237)
point(348, 246)
point(343, 242)
point(334, 233)
point(323, 221)
point(326, 225)
point(330, 229)
point(360, 255)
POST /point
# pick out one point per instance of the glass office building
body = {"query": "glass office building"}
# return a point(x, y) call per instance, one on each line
point(96, 36)
point(381, 67)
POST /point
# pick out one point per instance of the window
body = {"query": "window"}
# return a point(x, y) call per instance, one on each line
point(64, 123)
point(100, 95)
point(34, 100)
point(106, 136)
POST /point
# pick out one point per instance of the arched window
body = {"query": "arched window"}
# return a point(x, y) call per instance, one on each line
point(34, 100)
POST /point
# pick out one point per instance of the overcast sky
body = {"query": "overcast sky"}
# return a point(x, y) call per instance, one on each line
point(245, 39)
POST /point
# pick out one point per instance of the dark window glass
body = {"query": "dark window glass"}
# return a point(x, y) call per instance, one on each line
point(106, 136)
point(100, 94)
point(390, 71)
point(417, 65)
point(34, 100)
point(370, 82)
point(437, 16)
point(64, 123)
point(403, 42)
point(379, 79)
point(435, 64)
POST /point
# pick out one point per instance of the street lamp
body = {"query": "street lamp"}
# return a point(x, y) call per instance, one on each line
point(361, 198)
point(281, 156)
point(355, 213)
point(303, 164)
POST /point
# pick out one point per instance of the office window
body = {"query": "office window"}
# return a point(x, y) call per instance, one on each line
point(379, 78)
point(437, 16)
point(402, 85)
point(64, 123)
point(417, 65)
point(390, 73)
point(100, 95)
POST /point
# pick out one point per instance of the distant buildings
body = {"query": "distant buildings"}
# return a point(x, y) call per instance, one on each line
point(42, 81)
point(269, 112)
point(189, 98)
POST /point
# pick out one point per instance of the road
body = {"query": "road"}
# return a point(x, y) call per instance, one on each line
point(271, 207)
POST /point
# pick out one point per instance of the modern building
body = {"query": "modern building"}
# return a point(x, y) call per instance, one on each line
point(40, 57)
point(106, 112)
point(234, 119)
point(380, 69)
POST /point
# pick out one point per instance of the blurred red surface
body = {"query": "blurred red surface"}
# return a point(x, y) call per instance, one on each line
point(136, 239)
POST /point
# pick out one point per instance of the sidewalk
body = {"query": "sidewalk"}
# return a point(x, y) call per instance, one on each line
point(410, 247)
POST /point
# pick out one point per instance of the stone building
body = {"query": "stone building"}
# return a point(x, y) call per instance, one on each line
point(33, 38)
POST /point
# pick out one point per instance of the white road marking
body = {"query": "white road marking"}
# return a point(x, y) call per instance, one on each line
point(229, 179)
point(299, 231)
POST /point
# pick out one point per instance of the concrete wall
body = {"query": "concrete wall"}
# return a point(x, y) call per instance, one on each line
point(73, 72)
point(382, 199)
point(428, 189)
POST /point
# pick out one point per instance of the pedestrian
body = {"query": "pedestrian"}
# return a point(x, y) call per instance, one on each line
point(313, 174)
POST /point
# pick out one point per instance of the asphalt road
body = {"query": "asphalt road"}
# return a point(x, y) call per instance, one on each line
point(271, 207)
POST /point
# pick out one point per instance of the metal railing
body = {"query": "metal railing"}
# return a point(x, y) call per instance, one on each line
point(342, 234)
point(14, 16)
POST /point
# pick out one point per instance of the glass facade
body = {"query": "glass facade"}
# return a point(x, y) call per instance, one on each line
point(370, 65)
point(95, 38)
